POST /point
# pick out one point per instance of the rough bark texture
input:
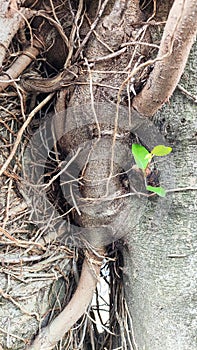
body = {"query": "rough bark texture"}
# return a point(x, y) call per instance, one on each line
point(161, 265)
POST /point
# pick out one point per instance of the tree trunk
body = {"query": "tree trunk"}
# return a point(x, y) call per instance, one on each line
point(161, 263)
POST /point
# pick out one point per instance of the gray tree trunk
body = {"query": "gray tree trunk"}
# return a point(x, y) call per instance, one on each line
point(161, 263)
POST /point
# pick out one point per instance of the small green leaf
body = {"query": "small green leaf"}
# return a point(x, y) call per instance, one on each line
point(161, 150)
point(139, 152)
point(158, 190)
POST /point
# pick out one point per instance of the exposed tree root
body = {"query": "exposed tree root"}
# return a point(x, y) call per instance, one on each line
point(173, 53)
point(50, 335)
point(21, 63)
point(10, 20)
point(178, 37)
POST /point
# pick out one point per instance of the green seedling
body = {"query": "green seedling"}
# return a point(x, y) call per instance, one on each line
point(143, 158)
point(160, 191)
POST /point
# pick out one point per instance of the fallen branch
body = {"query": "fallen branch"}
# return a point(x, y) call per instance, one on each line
point(178, 37)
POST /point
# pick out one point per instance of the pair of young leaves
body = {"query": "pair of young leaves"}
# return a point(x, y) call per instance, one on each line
point(143, 158)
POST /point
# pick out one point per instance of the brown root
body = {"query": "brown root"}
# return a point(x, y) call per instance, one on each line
point(18, 67)
point(178, 37)
point(50, 335)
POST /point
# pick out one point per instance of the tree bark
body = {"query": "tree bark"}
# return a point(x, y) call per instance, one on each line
point(160, 267)
point(161, 263)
